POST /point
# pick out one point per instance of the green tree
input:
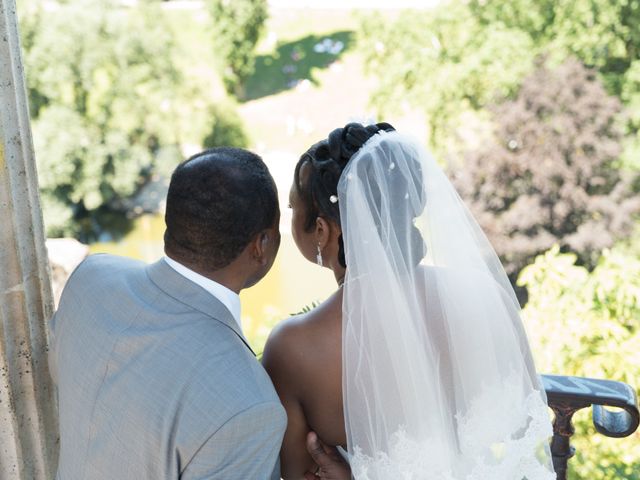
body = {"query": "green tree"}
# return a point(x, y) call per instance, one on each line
point(109, 105)
point(586, 324)
point(631, 97)
point(455, 59)
point(237, 26)
point(448, 63)
point(226, 130)
point(550, 175)
point(100, 83)
point(603, 34)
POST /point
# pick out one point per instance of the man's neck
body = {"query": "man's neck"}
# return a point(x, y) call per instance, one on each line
point(225, 276)
point(228, 297)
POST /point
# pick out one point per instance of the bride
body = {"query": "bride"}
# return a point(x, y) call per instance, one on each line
point(418, 366)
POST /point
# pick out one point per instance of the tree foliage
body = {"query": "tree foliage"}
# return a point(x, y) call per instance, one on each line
point(226, 129)
point(586, 324)
point(237, 26)
point(461, 56)
point(549, 176)
point(603, 34)
point(446, 61)
point(109, 104)
point(96, 79)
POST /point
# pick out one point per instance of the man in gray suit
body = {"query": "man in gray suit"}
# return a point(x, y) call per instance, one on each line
point(155, 378)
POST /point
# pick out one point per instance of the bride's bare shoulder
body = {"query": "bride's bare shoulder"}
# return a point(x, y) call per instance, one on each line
point(294, 341)
point(287, 334)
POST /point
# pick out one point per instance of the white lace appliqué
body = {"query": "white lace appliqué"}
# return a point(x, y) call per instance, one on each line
point(487, 450)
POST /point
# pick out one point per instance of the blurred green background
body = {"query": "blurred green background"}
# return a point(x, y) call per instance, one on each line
point(532, 106)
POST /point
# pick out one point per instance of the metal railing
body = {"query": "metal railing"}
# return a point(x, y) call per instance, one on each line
point(567, 395)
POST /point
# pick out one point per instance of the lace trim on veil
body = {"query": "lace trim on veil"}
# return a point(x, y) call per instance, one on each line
point(487, 449)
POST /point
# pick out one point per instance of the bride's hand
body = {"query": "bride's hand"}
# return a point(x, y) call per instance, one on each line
point(330, 463)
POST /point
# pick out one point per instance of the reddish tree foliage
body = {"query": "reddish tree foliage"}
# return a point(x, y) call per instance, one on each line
point(551, 174)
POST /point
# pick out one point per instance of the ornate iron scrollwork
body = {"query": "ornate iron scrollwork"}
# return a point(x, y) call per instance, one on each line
point(567, 395)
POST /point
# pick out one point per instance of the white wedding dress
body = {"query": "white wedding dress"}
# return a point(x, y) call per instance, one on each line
point(438, 378)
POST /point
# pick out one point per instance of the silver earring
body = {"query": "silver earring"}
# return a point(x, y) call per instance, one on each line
point(319, 256)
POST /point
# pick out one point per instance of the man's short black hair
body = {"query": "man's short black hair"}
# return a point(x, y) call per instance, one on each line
point(218, 200)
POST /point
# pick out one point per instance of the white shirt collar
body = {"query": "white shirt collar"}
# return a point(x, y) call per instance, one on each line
point(229, 298)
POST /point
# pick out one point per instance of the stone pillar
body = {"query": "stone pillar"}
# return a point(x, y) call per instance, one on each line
point(28, 417)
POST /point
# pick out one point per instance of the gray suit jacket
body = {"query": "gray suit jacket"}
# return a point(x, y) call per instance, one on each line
point(155, 380)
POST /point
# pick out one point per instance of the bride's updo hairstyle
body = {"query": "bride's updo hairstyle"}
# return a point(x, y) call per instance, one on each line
point(327, 160)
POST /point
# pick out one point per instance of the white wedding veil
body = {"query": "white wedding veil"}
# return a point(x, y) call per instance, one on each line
point(438, 379)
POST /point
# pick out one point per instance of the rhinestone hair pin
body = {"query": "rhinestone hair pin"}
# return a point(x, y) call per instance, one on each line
point(333, 199)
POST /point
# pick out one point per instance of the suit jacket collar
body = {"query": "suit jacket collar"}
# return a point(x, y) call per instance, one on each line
point(185, 291)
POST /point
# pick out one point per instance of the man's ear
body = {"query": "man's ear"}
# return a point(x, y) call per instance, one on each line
point(260, 247)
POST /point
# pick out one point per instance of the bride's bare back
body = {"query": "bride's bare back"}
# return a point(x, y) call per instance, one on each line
point(303, 357)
